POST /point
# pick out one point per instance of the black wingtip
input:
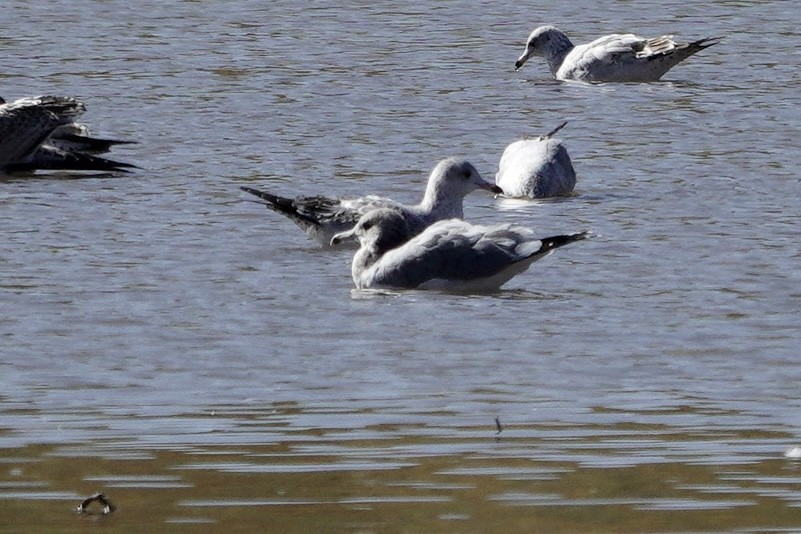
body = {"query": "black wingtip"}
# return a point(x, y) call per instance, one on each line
point(90, 145)
point(281, 204)
point(268, 197)
point(706, 42)
point(554, 242)
point(72, 162)
point(85, 162)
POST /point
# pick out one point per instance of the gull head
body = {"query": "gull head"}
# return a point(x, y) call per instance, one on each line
point(544, 41)
point(454, 178)
point(381, 229)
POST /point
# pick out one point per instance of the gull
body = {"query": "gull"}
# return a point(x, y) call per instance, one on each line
point(451, 255)
point(41, 133)
point(536, 168)
point(323, 217)
point(613, 58)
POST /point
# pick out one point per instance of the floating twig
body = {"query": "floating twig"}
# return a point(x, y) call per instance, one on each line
point(552, 132)
point(99, 498)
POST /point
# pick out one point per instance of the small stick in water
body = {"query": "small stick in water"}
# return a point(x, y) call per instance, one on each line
point(100, 499)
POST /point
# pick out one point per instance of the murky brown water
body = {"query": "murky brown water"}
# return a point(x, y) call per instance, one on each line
point(408, 477)
point(194, 358)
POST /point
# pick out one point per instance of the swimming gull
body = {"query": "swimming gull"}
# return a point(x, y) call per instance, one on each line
point(613, 58)
point(536, 168)
point(451, 255)
point(322, 217)
point(41, 133)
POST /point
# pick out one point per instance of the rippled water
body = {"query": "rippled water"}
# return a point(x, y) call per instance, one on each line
point(196, 359)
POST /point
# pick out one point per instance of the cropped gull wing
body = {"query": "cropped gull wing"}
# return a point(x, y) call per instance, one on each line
point(27, 123)
point(51, 158)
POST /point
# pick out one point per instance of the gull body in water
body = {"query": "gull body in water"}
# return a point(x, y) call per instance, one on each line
point(40, 133)
point(450, 255)
point(536, 168)
point(613, 58)
point(323, 217)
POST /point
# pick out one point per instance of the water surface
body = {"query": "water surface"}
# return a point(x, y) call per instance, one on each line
point(192, 356)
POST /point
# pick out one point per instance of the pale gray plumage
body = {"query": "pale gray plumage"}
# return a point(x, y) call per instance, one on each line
point(536, 168)
point(41, 133)
point(613, 58)
point(322, 217)
point(451, 255)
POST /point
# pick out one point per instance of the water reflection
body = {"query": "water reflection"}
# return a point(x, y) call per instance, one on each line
point(651, 477)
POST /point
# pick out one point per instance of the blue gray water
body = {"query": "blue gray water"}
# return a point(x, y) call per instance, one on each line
point(190, 354)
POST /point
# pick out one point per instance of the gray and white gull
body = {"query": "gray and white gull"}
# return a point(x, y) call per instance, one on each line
point(323, 217)
point(38, 133)
point(536, 168)
point(450, 255)
point(612, 58)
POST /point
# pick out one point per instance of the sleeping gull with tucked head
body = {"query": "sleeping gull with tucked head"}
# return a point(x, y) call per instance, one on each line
point(536, 168)
point(41, 133)
point(613, 58)
point(322, 217)
point(450, 255)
